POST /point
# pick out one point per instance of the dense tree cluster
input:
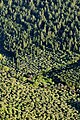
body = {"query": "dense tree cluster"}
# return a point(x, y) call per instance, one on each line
point(40, 59)
point(38, 30)
point(20, 100)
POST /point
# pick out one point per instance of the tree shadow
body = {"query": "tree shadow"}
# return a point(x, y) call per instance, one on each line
point(8, 54)
point(52, 73)
point(72, 66)
point(75, 104)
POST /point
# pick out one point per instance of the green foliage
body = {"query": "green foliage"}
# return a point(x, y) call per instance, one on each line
point(42, 100)
point(23, 101)
point(35, 31)
point(1, 57)
point(41, 78)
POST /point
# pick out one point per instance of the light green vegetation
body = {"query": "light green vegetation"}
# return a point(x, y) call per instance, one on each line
point(39, 101)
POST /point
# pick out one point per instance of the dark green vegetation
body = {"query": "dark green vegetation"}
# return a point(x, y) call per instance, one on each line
point(39, 60)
